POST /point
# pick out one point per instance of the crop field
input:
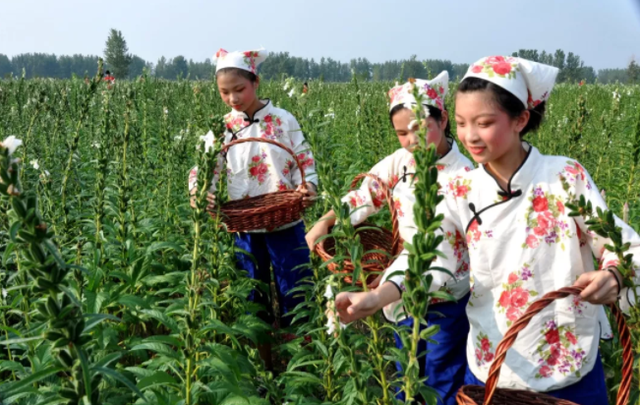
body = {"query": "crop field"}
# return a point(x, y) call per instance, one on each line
point(116, 291)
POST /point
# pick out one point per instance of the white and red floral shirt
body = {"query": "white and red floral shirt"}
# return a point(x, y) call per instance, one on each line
point(259, 168)
point(523, 244)
point(397, 170)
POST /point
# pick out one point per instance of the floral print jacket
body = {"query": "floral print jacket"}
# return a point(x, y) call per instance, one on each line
point(258, 168)
point(397, 170)
point(523, 244)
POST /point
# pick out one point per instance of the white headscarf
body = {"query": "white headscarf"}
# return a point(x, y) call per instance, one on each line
point(434, 92)
point(247, 60)
point(530, 82)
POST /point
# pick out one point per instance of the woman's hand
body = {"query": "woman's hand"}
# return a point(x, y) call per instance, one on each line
point(309, 189)
point(320, 229)
point(600, 287)
point(352, 306)
point(210, 197)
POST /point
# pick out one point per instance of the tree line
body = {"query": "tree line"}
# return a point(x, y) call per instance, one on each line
point(281, 64)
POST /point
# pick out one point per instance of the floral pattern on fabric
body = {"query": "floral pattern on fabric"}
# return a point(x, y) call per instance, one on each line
point(459, 187)
point(271, 126)
point(485, 351)
point(515, 297)
point(282, 186)
point(234, 123)
point(559, 351)
point(574, 172)
point(377, 194)
point(289, 166)
point(356, 200)
point(397, 205)
point(534, 103)
point(577, 305)
point(433, 92)
point(436, 94)
point(505, 67)
point(258, 169)
point(459, 246)
point(305, 160)
point(546, 222)
point(474, 234)
point(250, 60)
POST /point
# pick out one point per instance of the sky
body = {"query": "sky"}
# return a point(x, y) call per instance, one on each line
point(605, 33)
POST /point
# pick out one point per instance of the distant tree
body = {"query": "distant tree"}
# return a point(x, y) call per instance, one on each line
point(161, 67)
point(180, 68)
point(116, 54)
point(530, 54)
point(633, 72)
point(612, 75)
point(558, 59)
point(5, 66)
point(136, 67)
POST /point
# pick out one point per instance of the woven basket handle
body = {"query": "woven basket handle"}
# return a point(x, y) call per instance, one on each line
point(226, 147)
point(395, 228)
point(511, 335)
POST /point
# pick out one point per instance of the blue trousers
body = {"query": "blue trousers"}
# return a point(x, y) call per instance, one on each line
point(446, 361)
point(287, 252)
point(591, 390)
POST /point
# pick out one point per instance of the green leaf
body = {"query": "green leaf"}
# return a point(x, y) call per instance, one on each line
point(86, 371)
point(20, 340)
point(159, 348)
point(95, 319)
point(132, 302)
point(106, 360)
point(429, 332)
point(162, 318)
point(10, 388)
point(119, 377)
point(235, 400)
point(301, 376)
point(158, 378)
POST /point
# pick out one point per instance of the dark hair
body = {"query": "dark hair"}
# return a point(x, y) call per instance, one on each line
point(252, 77)
point(107, 73)
point(434, 112)
point(506, 101)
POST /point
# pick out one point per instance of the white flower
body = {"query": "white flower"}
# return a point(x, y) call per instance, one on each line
point(96, 145)
point(292, 92)
point(331, 325)
point(166, 111)
point(328, 293)
point(208, 140)
point(45, 174)
point(34, 164)
point(412, 125)
point(177, 138)
point(4, 293)
point(616, 95)
point(11, 143)
point(286, 85)
point(330, 115)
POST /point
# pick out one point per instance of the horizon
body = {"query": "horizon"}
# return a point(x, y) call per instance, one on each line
point(586, 28)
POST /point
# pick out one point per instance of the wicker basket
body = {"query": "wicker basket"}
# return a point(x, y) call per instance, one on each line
point(372, 238)
point(476, 395)
point(267, 211)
